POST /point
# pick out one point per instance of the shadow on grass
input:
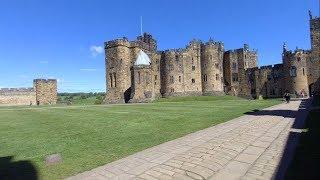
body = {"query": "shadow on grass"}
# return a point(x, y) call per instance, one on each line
point(10, 170)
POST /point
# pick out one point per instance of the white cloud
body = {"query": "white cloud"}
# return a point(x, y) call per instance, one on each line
point(96, 50)
point(88, 69)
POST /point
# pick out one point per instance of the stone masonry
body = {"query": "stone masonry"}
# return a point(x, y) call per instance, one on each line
point(43, 92)
point(204, 68)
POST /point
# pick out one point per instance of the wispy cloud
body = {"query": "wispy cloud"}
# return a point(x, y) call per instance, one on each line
point(88, 69)
point(96, 50)
point(44, 62)
point(22, 76)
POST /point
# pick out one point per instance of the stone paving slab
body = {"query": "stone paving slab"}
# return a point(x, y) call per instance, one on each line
point(248, 147)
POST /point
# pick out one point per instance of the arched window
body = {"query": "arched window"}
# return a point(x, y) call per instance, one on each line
point(293, 71)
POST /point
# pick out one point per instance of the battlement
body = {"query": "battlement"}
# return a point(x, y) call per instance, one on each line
point(266, 67)
point(7, 90)
point(278, 66)
point(117, 42)
point(295, 52)
point(44, 80)
point(241, 50)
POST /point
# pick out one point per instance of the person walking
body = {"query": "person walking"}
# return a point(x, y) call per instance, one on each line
point(287, 96)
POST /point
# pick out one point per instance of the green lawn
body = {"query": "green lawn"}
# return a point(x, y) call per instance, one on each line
point(90, 136)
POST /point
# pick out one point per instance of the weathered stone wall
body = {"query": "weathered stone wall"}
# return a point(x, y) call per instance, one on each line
point(295, 71)
point(142, 84)
point(192, 69)
point(118, 75)
point(172, 77)
point(314, 62)
point(212, 68)
point(46, 91)
point(120, 57)
point(236, 78)
point(17, 96)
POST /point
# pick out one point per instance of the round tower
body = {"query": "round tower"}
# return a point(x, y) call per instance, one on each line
point(172, 73)
point(212, 68)
point(118, 75)
point(296, 71)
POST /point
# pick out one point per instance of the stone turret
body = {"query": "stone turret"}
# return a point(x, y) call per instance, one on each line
point(46, 91)
point(212, 68)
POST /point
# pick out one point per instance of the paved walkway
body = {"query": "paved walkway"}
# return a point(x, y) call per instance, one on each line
point(248, 147)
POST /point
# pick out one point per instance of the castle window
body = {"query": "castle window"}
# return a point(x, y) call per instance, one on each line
point(147, 78)
point(234, 66)
point(234, 77)
point(115, 79)
point(139, 78)
point(217, 65)
point(205, 78)
point(111, 80)
point(217, 77)
point(179, 78)
point(172, 90)
point(299, 58)
point(192, 61)
point(293, 71)
point(193, 81)
point(171, 79)
point(177, 57)
point(193, 68)
point(155, 77)
point(171, 68)
point(303, 71)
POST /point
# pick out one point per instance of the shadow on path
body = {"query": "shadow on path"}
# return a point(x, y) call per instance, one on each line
point(305, 160)
point(17, 170)
point(301, 155)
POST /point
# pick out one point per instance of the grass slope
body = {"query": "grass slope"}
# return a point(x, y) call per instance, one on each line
point(90, 136)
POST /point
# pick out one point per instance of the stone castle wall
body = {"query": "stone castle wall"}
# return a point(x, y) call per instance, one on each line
point(17, 96)
point(236, 63)
point(120, 57)
point(212, 68)
point(46, 91)
point(142, 84)
point(43, 92)
point(206, 69)
point(296, 71)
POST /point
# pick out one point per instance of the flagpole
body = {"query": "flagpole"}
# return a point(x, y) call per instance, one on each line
point(141, 25)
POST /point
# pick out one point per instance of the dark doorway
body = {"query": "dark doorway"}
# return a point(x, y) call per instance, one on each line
point(127, 95)
point(311, 89)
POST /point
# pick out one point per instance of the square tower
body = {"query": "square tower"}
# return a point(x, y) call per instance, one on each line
point(46, 91)
point(315, 33)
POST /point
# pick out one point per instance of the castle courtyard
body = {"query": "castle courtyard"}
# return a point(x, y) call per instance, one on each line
point(254, 146)
point(87, 137)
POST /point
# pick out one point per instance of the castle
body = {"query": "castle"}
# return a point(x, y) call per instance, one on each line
point(137, 72)
point(44, 92)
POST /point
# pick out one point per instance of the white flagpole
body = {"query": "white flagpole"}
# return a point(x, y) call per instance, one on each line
point(141, 25)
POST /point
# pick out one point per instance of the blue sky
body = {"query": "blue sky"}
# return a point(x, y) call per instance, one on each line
point(63, 39)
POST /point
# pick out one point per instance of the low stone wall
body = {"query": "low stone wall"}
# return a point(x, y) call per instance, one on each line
point(17, 96)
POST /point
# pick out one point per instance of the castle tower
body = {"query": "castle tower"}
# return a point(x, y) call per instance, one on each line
point(172, 77)
point(314, 63)
point(46, 91)
point(212, 68)
point(315, 32)
point(192, 69)
point(235, 64)
point(296, 71)
point(142, 88)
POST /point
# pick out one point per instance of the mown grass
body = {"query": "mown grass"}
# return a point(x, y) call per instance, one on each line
point(90, 136)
